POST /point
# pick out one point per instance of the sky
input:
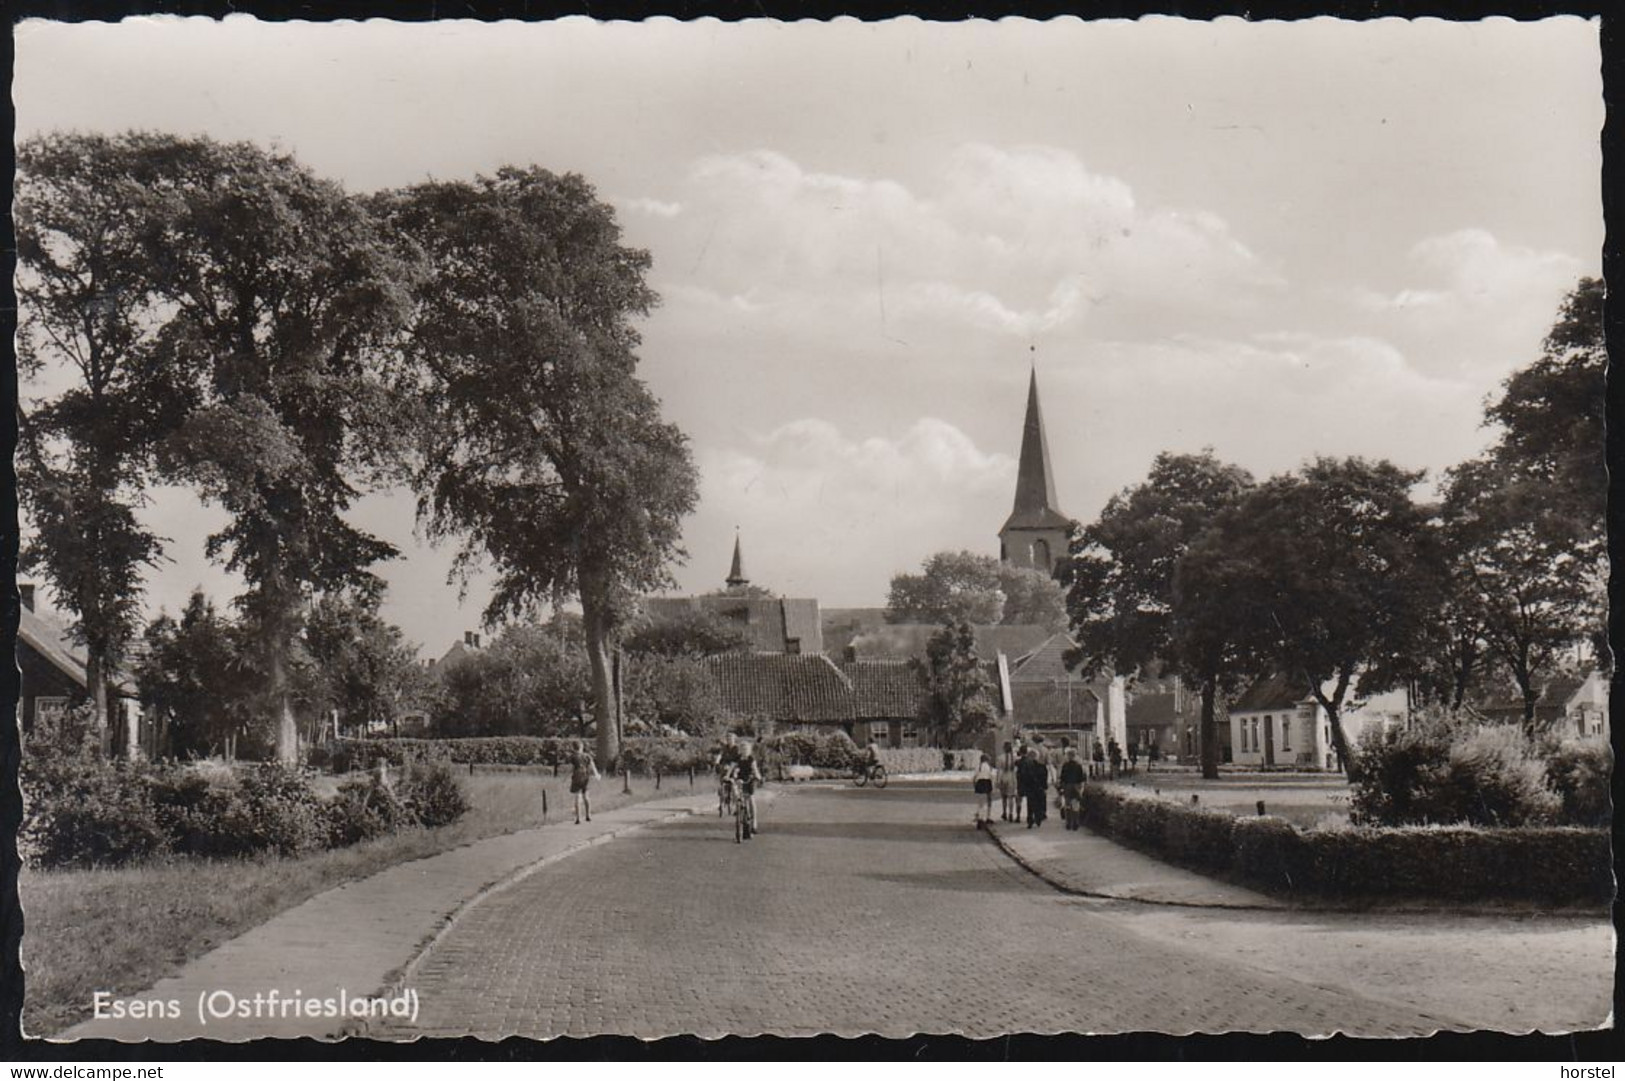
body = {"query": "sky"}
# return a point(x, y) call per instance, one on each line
point(1278, 240)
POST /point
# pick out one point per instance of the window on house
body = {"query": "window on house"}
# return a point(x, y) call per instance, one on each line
point(1286, 733)
point(911, 736)
point(1245, 745)
point(1256, 745)
point(1041, 554)
point(49, 708)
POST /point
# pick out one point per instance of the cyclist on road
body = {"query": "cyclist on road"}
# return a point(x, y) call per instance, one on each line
point(748, 772)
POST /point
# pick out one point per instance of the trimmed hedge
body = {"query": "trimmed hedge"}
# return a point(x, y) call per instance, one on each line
point(345, 755)
point(1556, 864)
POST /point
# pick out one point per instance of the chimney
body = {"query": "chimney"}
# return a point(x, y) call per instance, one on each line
point(468, 638)
point(25, 592)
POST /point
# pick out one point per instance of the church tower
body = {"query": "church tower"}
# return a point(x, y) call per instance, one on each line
point(1035, 534)
point(736, 573)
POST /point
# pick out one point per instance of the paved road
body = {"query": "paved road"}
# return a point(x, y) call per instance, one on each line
point(863, 911)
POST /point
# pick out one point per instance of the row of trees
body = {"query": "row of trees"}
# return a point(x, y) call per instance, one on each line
point(218, 316)
point(1340, 576)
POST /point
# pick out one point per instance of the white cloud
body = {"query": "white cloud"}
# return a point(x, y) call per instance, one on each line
point(1011, 241)
point(655, 208)
point(807, 492)
point(1476, 307)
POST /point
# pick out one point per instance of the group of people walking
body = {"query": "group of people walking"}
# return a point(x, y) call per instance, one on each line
point(1023, 778)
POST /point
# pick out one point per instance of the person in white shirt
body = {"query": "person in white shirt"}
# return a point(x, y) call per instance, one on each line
point(982, 783)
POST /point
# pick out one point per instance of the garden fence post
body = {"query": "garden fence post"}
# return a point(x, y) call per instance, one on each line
point(657, 778)
point(626, 780)
point(1260, 807)
point(544, 805)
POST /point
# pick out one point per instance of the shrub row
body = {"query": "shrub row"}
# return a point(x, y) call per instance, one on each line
point(344, 755)
point(1553, 864)
point(82, 811)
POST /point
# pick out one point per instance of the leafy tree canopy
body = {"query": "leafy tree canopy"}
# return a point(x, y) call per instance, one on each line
point(975, 588)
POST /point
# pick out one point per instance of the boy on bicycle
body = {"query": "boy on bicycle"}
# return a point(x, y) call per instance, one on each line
point(749, 774)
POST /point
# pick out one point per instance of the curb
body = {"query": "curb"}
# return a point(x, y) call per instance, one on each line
point(1295, 907)
point(397, 980)
point(1077, 891)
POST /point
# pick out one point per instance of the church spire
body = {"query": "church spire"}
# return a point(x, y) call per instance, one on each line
point(1035, 484)
point(736, 574)
point(1035, 534)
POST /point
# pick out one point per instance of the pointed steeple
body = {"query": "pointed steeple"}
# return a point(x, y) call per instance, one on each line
point(736, 574)
point(1035, 483)
point(1035, 534)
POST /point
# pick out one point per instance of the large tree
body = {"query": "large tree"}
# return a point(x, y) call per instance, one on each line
point(957, 704)
point(1524, 571)
point(88, 324)
point(1121, 577)
point(1345, 578)
point(976, 588)
point(285, 299)
point(542, 452)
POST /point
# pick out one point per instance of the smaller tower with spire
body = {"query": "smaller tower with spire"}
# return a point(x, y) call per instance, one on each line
point(1035, 534)
point(736, 573)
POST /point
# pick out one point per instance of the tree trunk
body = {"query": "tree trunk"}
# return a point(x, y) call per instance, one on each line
point(287, 729)
point(595, 628)
point(96, 686)
point(1208, 731)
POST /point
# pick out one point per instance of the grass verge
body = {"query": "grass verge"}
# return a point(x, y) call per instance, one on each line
point(121, 930)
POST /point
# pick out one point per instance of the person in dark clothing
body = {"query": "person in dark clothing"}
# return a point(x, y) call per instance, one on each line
point(1032, 776)
point(1072, 789)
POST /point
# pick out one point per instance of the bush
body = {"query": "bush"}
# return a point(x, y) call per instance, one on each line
point(1441, 770)
point(1580, 772)
point(432, 795)
point(833, 750)
point(364, 808)
point(1399, 767)
point(81, 811)
point(274, 809)
point(1497, 778)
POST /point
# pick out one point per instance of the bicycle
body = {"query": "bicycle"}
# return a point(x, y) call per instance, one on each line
point(744, 811)
point(725, 796)
point(864, 772)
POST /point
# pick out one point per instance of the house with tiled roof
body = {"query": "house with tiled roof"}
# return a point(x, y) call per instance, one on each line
point(1277, 722)
point(778, 691)
point(52, 666)
point(1570, 703)
point(1051, 698)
